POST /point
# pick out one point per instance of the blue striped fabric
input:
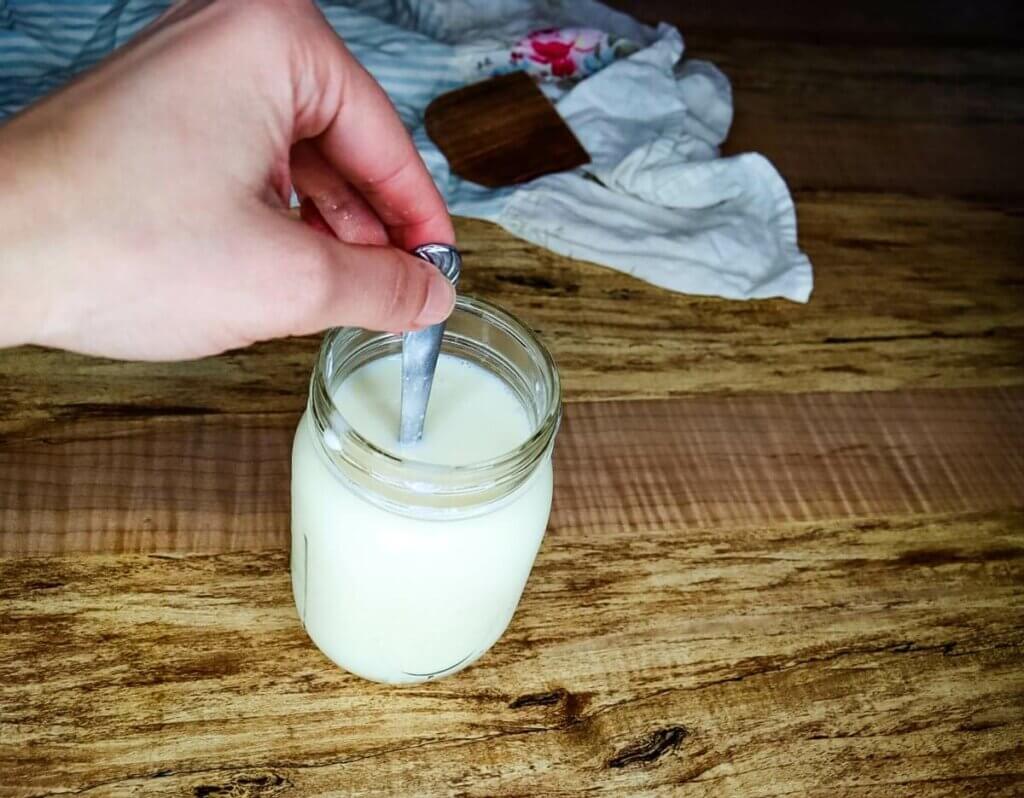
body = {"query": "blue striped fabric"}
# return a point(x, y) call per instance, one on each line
point(385, 50)
point(44, 44)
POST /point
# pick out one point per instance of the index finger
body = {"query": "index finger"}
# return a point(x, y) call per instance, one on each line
point(367, 143)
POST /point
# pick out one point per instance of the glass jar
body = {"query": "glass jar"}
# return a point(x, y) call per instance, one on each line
point(404, 571)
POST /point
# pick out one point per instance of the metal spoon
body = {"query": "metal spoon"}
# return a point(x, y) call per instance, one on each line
point(420, 350)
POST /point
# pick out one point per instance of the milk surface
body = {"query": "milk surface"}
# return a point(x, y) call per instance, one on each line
point(399, 598)
point(472, 415)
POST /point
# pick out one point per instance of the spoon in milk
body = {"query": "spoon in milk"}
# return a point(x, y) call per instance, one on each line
point(420, 350)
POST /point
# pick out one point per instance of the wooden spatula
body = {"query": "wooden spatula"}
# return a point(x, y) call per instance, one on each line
point(502, 131)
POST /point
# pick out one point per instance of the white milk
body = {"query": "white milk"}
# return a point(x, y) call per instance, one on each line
point(398, 597)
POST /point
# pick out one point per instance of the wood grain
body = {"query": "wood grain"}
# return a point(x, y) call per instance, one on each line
point(502, 131)
point(870, 658)
point(910, 293)
point(221, 482)
point(859, 96)
point(909, 119)
point(866, 21)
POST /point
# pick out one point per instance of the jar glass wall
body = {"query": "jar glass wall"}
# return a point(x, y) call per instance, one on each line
point(404, 570)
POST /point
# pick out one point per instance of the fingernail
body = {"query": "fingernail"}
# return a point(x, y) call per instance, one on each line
point(440, 300)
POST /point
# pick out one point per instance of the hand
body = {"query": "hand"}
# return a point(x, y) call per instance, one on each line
point(143, 210)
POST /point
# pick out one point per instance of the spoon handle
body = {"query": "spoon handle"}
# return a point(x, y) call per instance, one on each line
point(421, 349)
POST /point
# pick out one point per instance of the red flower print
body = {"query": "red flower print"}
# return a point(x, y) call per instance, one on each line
point(556, 54)
point(562, 69)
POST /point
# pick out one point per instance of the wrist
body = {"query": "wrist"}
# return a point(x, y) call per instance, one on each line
point(28, 241)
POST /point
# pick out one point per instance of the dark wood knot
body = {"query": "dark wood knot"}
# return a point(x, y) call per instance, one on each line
point(43, 585)
point(539, 699)
point(244, 785)
point(649, 748)
point(568, 706)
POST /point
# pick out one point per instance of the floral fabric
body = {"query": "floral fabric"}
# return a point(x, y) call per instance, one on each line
point(558, 55)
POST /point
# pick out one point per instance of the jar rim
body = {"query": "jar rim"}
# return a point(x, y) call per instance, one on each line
point(407, 480)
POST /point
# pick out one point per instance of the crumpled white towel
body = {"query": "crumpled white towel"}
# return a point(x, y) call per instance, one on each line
point(657, 201)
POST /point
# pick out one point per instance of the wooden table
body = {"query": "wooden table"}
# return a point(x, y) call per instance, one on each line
point(786, 555)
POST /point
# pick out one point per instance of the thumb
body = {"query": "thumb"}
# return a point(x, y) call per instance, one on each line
point(331, 283)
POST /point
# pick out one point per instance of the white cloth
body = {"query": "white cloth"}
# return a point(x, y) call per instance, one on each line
point(657, 201)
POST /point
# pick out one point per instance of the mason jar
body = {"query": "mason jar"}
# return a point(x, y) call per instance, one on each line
point(404, 571)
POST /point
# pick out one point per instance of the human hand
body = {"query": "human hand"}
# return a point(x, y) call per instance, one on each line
point(143, 213)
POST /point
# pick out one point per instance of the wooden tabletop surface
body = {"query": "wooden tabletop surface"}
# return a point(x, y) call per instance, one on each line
point(786, 555)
